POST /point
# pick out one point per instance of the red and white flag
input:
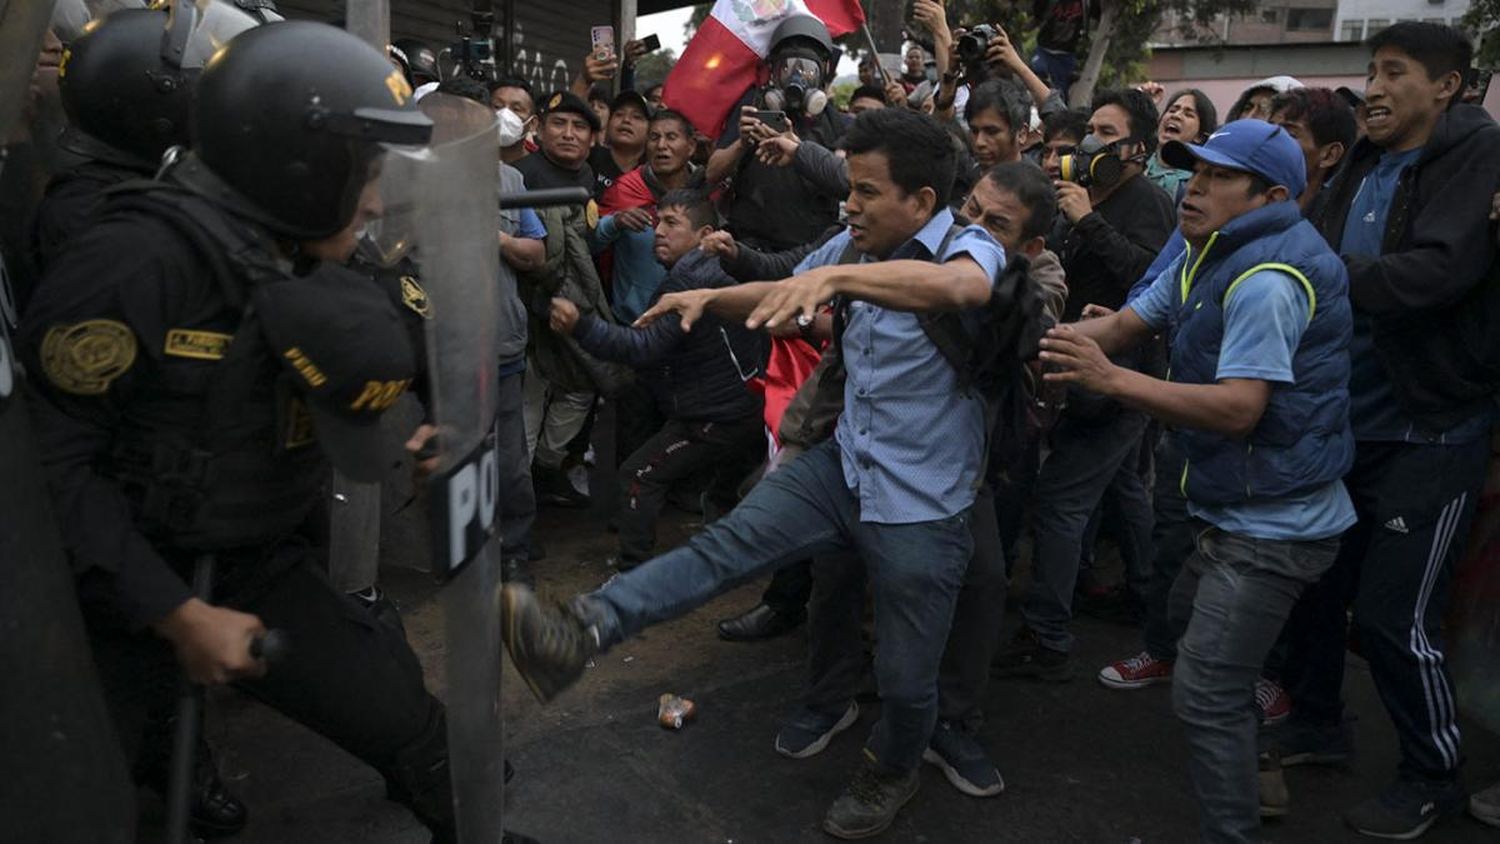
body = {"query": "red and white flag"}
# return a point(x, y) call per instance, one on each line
point(725, 57)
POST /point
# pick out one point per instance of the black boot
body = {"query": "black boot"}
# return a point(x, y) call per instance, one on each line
point(763, 622)
point(214, 811)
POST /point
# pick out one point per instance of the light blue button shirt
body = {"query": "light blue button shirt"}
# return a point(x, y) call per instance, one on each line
point(911, 442)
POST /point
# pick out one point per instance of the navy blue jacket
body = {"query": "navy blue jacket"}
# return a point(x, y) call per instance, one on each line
point(696, 375)
point(1303, 439)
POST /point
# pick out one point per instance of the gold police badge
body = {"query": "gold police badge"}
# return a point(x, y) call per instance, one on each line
point(84, 358)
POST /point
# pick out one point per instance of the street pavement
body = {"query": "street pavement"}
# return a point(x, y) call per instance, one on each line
point(1081, 763)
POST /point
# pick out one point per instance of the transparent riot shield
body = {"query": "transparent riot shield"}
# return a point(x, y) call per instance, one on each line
point(354, 515)
point(441, 211)
point(65, 777)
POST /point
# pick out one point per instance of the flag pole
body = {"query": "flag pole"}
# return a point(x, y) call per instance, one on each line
point(875, 51)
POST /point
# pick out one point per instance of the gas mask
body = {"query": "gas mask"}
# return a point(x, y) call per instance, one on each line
point(511, 127)
point(796, 85)
point(1094, 162)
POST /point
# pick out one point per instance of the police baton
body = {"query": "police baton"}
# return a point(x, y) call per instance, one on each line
point(270, 647)
point(545, 198)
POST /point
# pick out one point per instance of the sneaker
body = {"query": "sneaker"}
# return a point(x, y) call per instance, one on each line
point(963, 761)
point(1026, 656)
point(1301, 743)
point(808, 732)
point(1485, 806)
point(1275, 800)
point(1275, 704)
point(1137, 672)
point(548, 644)
point(1406, 809)
point(870, 803)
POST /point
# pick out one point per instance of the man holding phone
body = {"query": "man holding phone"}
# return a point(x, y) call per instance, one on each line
point(774, 208)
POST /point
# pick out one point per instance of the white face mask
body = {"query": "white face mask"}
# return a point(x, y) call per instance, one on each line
point(512, 128)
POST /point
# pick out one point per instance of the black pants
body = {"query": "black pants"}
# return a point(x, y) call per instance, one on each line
point(347, 676)
point(679, 450)
point(836, 654)
point(1415, 503)
point(636, 420)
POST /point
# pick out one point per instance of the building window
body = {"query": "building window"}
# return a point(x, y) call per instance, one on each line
point(1308, 20)
point(1375, 25)
point(1352, 31)
point(1268, 15)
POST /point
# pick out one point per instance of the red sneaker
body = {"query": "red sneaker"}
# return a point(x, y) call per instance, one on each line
point(1275, 704)
point(1137, 672)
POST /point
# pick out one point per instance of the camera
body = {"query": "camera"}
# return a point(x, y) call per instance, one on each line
point(973, 44)
point(475, 49)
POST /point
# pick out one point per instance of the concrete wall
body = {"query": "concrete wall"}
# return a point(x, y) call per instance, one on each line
point(1224, 73)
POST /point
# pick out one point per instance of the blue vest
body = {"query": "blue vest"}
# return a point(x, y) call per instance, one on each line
point(1303, 439)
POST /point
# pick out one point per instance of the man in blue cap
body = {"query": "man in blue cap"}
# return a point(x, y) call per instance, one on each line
point(1258, 399)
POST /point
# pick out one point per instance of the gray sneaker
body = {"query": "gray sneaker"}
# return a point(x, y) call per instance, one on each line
point(808, 732)
point(1485, 806)
point(549, 644)
point(963, 761)
point(869, 804)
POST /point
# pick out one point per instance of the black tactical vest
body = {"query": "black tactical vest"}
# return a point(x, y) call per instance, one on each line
point(218, 452)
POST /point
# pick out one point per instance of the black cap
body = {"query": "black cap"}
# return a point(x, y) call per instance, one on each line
point(342, 340)
point(630, 96)
point(1354, 98)
point(569, 102)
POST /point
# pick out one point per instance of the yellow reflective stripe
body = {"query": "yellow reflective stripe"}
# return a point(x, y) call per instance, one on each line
point(1182, 485)
point(1189, 275)
point(1312, 296)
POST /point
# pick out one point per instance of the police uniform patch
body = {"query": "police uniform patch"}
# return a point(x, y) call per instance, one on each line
point(591, 214)
point(397, 85)
point(415, 297)
point(84, 358)
point(299, 425)
point(200, 345)
point(555, 101)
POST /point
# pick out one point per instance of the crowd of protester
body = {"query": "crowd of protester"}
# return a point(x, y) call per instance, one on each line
point(903, 343)
point(1096, 204)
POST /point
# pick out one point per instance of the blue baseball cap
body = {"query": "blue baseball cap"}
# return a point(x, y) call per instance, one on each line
point(1253, 146)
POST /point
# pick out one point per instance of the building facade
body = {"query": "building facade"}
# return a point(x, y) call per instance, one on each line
point(542, 42)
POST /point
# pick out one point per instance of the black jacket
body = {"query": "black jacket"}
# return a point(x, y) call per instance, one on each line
point(751, 264)
point(696, 375)
point(1106, 251)
point(1432, 295)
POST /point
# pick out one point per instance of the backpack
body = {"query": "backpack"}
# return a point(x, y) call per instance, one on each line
point(990, 358)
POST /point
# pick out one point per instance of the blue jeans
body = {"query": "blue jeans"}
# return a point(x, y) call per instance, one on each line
point(801, 510)
point(1238, 592)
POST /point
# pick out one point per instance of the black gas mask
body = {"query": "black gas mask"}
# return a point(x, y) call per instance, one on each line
point(1095, 162)
point(796, 84)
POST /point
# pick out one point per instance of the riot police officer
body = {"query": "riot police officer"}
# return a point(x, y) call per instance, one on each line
point(200, 354)
point(126, 87)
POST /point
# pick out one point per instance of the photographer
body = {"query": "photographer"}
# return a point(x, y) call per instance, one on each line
point(774, 207)
point(1111, 229)
point(984, 53)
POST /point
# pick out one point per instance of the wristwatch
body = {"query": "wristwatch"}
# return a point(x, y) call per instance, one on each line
point(805, 325)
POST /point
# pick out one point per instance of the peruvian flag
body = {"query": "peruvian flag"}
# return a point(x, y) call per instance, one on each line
point(725, 57)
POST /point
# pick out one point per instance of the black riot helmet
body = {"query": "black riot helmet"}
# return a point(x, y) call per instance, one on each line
point(126, 82)
point(292, 118)
point(421, 61)
point(802, 30)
